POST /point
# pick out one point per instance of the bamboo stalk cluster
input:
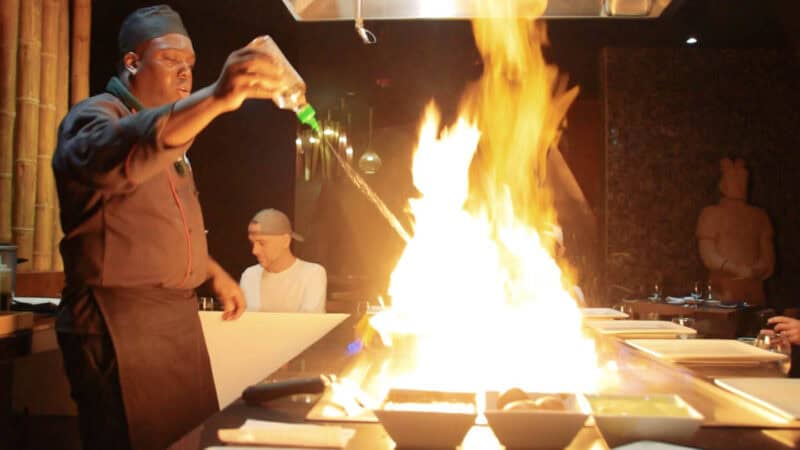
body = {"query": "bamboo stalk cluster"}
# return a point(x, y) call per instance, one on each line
point(42, 73)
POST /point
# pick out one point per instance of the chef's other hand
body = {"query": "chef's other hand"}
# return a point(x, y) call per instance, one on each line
point(231, 295)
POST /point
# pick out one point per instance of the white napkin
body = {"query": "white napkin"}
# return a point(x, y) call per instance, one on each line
point(652, 445)
point(37, 300)
point(278, 434)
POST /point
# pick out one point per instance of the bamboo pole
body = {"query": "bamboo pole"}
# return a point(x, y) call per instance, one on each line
point(43, 220)
point(62, 105)
point(9, 23)
point(26, 131)
point(81, 32)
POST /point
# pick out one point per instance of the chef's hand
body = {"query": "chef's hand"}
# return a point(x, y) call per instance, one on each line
point(227, 290)
point(250, 72)
point(788, 328)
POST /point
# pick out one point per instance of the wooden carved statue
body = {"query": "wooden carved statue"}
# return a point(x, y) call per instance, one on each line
point(735, 240)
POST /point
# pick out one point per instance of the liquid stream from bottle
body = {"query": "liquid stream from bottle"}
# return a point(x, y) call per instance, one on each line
point(362, 185)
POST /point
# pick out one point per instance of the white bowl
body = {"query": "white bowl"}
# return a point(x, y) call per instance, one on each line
point(538, 429)
point(422, 419)
point(627, 418)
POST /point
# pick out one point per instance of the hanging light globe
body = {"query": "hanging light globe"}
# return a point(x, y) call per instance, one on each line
point(370, 162)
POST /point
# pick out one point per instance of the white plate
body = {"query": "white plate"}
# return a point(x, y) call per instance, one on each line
point(602, 313)
point(777, 394)
point(706, 351)
point(640, 328)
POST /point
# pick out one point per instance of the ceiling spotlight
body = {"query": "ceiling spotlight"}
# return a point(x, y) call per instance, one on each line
point(691, 40)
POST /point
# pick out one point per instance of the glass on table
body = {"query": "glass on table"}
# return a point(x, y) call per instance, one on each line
point(627, 307)
point(709, 292)
point(206, 303)
point(696, 294)
point(774, 342)
point(362, 307)
point(650, 315)
point(657, 293)
point(685, 321)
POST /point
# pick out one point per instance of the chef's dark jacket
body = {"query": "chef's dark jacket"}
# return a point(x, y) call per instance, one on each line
point(134, 249)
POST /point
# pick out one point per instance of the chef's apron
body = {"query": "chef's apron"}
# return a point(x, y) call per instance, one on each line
point(164, 370)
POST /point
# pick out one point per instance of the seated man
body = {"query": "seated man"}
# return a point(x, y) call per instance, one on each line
point(280, 282)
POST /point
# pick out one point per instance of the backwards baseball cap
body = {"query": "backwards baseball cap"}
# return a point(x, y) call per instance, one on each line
point(273, 222)
point(148, 23)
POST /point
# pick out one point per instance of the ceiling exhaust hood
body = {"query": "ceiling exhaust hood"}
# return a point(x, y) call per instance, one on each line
point(322, 10)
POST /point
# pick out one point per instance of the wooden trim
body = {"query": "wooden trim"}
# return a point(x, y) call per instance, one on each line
point(39, 284)
point(9, 28)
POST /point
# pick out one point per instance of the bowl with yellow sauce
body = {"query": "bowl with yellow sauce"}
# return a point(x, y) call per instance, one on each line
point(660, 417)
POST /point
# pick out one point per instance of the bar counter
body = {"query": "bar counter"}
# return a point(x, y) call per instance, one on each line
point(731, 422)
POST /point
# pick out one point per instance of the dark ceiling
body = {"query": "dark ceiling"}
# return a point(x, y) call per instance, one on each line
point(439, 57)
point(415, 61)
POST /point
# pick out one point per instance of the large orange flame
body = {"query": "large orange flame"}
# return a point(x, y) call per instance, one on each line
point(477, 287)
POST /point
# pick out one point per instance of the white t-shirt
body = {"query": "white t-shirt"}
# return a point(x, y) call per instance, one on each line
point(300, 288)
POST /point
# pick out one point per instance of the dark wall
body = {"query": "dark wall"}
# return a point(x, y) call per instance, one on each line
point(244, 160)
point(671, 115)
point(412, 64)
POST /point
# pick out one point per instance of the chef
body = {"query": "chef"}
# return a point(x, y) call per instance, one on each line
point(134, 244)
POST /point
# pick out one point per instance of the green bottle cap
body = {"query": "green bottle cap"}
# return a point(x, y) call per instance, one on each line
point(307, 115)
